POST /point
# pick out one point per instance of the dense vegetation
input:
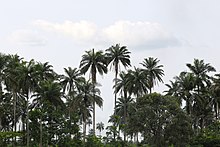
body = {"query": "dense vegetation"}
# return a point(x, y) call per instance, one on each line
point(39, 107)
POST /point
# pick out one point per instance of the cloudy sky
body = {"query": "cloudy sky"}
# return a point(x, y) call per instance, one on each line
point(174, 31)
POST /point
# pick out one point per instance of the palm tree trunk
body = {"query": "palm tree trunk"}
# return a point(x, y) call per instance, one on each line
point(94, 82)
point(15, 104)
point(41, 131)
point(116, 76)
point(0, 124)
point(125, 113)
point(94, 117)
point(137, 137)
point(70, 123)
point(125, 120)
point(84, 131)
point(216, 111)
point(28, 131)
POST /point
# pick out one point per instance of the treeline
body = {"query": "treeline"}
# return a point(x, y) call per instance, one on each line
point(39, 107)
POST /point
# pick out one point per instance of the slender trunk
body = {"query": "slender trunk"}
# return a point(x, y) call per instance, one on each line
point(0, 124)
point(27, 111)
point(114, 135)
point(15, 105)
point(94, 82)
point(84, 131)
point(137, 137)
point(116, 77)
point(23, 128)
point(188, 106)
point(41, 131)
point(216, 111)
point(70, 123)
point(125, 114)
point(151, 85)
point(94, 117)
point(202, 124)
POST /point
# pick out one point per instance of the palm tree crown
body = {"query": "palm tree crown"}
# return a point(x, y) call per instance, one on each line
point(95, 61)
point(153, 71)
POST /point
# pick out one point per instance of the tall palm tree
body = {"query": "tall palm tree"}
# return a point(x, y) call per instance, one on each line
point(215, 90)
point(28, 82)
point(87, 94)
point(122, 107)
point(11, 80)
point(186, 84)
point(153, 71)
point(95, 62)
point(117, 55)
point(200, 70)
point(70, 82)
point(47, 92)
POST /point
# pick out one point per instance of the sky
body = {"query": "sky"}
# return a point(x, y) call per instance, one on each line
point(59, 32)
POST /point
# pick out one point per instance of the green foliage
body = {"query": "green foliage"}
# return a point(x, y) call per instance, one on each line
point(5, 136)
point(93, 141)
point(210, 137)
point(51, 108)
point(161, 121)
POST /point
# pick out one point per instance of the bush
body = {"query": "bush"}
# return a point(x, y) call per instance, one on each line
point(210, 137)
point(93, 141)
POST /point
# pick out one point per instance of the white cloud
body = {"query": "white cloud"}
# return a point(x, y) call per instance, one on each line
point(80, 31)
point(27, 37)
point(145, 34)
point(135, 34)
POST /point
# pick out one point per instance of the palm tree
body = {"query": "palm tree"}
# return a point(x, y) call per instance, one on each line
point(136, 82)
point(11, 80)
point(114, 128)
point(153, 71)
point(47, 92)
point(100, 127)
point(186, 84)
point(116, 55)
point(123, 105)
point(71, 80)
point(173, 90)
point(44, 71)
point(215, 90)
point(96, 62)
point(200, 71)
point(121, 86)
point(3, 66)
point(87, 94)
point(28, 82)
